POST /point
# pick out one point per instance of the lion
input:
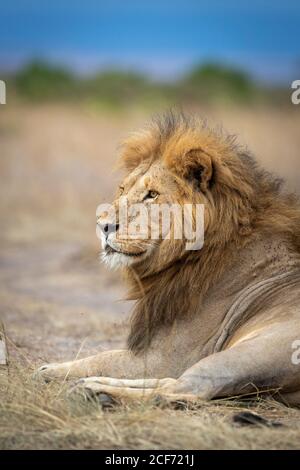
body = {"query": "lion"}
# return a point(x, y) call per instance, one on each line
point(220, 321)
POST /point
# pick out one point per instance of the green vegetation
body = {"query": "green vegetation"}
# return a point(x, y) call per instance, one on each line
point(215, 82)
point(39, 81)
point(205, 84)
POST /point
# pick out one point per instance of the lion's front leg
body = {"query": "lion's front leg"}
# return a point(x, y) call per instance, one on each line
point(105, 363)
point(116, 363)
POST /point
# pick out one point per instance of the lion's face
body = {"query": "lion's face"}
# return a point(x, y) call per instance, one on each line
point(142, 234)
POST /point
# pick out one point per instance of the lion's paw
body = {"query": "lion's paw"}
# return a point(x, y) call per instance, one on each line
point(91, 388)
point(49, 372)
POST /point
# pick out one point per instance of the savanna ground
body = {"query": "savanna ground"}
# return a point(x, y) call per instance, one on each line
point(58, 302)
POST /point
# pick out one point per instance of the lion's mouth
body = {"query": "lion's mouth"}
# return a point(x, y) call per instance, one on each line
point(110, 250)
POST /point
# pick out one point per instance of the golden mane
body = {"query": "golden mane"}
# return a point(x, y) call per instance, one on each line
point(243, 201)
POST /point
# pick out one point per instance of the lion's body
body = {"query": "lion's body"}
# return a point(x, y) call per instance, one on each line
point(224, 320)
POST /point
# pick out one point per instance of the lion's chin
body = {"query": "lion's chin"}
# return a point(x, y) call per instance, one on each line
point(117, 260)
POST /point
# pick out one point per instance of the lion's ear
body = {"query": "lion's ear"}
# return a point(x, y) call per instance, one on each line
point(198, 168)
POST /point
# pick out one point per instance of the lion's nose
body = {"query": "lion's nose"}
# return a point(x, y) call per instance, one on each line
point(109, 228)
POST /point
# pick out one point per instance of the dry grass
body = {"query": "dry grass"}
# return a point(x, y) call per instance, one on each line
point(56, 166)
point(36, 416)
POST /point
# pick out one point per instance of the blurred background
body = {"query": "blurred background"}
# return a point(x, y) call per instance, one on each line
point(79, 76)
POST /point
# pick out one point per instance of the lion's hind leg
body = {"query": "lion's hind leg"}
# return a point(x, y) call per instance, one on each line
point(132, 389)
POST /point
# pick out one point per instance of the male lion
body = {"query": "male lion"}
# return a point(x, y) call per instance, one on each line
point(216, 322)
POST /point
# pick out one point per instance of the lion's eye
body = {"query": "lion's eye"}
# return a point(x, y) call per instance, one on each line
point(121, 189)
point(151, 195)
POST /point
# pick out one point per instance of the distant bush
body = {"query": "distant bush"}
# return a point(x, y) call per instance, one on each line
point(214, 82)
point(39, 80)
point(113, 87)
point(208, 83)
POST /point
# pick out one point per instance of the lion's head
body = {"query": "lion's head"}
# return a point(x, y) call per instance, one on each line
point(176, 161)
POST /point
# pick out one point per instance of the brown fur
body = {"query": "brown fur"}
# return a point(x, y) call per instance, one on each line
point(241, 202)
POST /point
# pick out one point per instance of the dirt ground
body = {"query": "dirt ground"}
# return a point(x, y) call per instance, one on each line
point(57, 301)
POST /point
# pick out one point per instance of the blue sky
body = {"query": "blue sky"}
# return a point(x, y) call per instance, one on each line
point(160, 37)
